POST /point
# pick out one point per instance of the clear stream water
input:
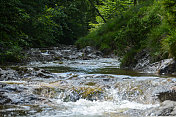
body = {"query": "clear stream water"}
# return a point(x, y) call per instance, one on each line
point(92, 88)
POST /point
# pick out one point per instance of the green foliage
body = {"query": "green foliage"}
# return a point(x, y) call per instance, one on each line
point(42, 23)
point(170, 6)
point(148, 25)
point(109, 9)
point(153, 43)
point(124, 31)
point(169, 44)
point(12, 54)
point(128, 58)
point(129, 29)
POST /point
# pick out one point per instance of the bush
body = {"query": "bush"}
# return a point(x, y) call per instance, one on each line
point(169, 44)
point(140, 27)
point(13, 54)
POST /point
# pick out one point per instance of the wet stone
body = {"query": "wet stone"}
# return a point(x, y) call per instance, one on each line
point(9, 75)
point(4, 99)
point(23, 98)
point(62, 53)
point(167, 95)
point(36, 72)
point(166, 108)
point(14, 88)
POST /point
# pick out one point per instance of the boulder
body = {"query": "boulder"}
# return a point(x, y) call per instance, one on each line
point(166, 108)
point(166, 66)
point(167, 95)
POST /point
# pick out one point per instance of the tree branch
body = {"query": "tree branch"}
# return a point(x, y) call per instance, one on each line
point(97, 11)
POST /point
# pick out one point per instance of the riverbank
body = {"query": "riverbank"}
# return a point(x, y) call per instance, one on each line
point(142, 61)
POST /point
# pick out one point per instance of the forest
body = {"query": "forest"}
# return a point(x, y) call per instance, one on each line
point(124, 27)
point(87, 58)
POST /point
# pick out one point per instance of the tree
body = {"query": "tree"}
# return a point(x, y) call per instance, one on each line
point(97, 11)
point(135, 2)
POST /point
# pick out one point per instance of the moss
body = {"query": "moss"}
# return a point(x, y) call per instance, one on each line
point(87, 92)
point(13, 82)
point(50, 85)
point(60, 62)
point(43, 51)
point(90, 83)
point(58, 58)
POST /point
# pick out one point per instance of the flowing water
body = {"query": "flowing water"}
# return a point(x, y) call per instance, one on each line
point(90, 88)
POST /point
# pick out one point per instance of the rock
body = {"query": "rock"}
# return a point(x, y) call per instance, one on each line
point(167, 95)
point(90, 53)
point(166, 108)
point(4, 99)
point(88, 93)
point(168, 66)
point(143, 62)
point(33, 72)
point(9, 75)
point(61, 53)
point(173, 113)
point(173, 88)
point(17, 94)
point(88, 49)
point(23, 72)
point(23, 98)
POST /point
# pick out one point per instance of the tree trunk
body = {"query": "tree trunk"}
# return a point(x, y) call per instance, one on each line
point(135, 2)
point(97, 11)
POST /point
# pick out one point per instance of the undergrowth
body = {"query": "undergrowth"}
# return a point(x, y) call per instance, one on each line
point(149, 25)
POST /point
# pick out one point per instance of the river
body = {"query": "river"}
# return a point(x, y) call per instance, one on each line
point(88, 88)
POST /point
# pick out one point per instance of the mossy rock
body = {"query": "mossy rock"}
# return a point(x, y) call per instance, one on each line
point(61, 62)
point(88, 92)
point(90, 83)
point(58, 58)
point(43, 51)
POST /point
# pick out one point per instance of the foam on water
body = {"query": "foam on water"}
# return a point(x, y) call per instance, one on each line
point(113, 104)
point(91, 108)
point(100, 108)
